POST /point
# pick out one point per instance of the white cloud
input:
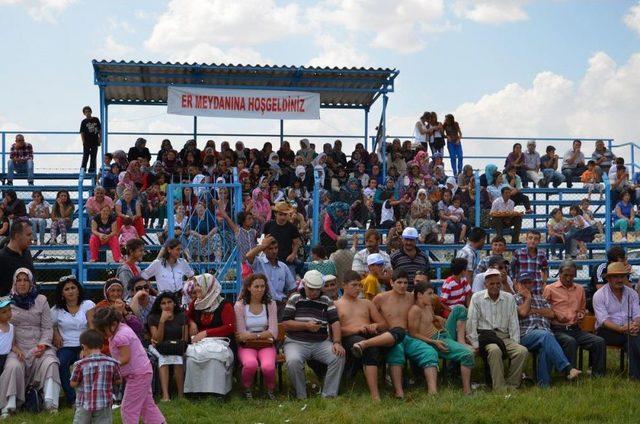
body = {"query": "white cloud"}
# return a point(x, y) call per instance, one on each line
point(601, 104)
point(632, 18)
point(491, 11)
point(334, 53)
point(113, 50)
point(222, 29)
point(206, 53)
point(400, 26)
point(41, 10)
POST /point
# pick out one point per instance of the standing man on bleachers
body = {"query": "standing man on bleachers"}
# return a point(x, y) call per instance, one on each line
point(15, 254)
point(531, 260)
point(573, 163)
point(90, 128)
point(20, 160)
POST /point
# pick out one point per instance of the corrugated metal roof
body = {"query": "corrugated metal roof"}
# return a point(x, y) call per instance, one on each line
point(146, 82)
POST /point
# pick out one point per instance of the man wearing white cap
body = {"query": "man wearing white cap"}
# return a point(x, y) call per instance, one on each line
point(493, 330)
point(371, 283)
point(409, 258)
point(306, 320)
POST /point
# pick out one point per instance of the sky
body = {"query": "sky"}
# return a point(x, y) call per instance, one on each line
point(510, 68)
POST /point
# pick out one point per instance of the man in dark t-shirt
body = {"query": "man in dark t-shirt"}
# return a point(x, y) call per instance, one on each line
point(90, 133)
point(15, 254)
point(284, 232)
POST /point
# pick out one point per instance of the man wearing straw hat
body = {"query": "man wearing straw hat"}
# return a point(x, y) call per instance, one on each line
point(618, 315)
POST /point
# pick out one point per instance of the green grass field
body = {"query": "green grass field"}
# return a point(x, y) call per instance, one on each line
point(613, 399)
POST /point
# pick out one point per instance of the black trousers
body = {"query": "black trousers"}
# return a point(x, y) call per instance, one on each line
point(571, 338)
point(631, 345)
point(89, 151)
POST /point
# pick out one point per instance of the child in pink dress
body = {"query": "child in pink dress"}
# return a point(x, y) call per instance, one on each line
point(127, 232)
point(135, 368)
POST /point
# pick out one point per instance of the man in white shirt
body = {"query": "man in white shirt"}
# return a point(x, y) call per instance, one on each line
point(372, 240)
point(493, 329)
point(503, 215)
point(573, 163)
point(532, 163)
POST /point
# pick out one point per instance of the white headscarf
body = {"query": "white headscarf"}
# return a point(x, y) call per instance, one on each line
point(454, 185)
point(212, 291)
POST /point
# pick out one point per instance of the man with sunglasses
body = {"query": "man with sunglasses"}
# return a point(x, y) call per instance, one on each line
point(494, 262)
point(141, 299)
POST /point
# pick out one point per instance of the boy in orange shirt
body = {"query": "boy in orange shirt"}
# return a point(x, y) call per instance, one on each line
point(590, 179)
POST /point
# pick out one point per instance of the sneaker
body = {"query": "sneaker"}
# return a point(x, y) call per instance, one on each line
point(573, 374)
point(356, 350)
point(248, 394)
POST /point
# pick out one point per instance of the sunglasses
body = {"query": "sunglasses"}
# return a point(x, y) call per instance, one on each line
point(137, 289)
point(68, 278)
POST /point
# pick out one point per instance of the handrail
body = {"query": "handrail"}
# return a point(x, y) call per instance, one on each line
point(316, 207)
point(607, 211)
point(80, 252)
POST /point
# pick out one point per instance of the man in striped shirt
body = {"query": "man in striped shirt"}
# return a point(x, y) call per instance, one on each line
point(456, 289)
point(306, 320)
point(409, 258)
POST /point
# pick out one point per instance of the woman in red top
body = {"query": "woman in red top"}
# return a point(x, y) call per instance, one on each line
point(211, 314)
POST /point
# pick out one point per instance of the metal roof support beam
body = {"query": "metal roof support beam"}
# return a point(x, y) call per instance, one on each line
point(281, 132)
point(195, 128)
point(104, 119)
point(383, 134)
point(366, 129)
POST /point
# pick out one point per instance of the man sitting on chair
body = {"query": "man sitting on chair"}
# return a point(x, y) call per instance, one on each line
point(618, 315)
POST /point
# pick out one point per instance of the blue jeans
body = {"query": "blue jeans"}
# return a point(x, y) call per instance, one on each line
point(552, 176)
point(67, 356)
point(20, 168)
point(550, 354)
point(455, 154)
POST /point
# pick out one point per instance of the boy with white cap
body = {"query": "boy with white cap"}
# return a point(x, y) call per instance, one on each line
point(371, 282)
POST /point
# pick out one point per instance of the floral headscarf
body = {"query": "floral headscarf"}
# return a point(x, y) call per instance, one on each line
point(339, 213)
point(211, 289)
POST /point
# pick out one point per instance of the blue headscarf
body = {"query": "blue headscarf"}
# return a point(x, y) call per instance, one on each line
point(489, 170)
point(334, 209)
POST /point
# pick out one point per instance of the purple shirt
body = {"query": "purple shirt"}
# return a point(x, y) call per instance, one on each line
point(607, 307)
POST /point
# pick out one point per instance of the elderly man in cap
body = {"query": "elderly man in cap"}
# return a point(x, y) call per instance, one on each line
point(493, 330)
point(535, 332)
point(618, 314)
point(330, 288)
point(409, 258)
point(569, 307)
point(495, 262)
point(307, 318)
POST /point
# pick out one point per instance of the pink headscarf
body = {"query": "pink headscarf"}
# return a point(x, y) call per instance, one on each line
point(261, 207)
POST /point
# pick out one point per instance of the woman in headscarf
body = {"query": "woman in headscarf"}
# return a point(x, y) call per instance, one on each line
point(286, 155)
point(212, 316)
point(414, 176)
point(421, 217)
point(165, 146)
point(350, 192)
point(334, 221)
point(355, 161)
point(465, 177)
point(126, 183)
point(486, 179)
point(339, 180)
point(139, 151)
point(306, 152)
point(261, 209)
point(439, 175)
point(134, 172)
point(114, 291)
point(422, 160)
point(33, 360)
point(120, 157)
point(452, 185)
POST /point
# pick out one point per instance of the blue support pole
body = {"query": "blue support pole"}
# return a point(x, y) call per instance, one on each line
point(281, 132)
point(103, 120)
point(316, 208)
point(366, 129)
point(238, 208)
point(4, 152)
point(476, 187)
point(80, 249)
point(633, 160)
point(170, 220)
point(195, 128)
point(383, 140)
point(607, 211)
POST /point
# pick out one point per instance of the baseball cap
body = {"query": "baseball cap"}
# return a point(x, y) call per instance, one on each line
point(5, 301)
point(490, 272)
point(527, 276)
point(375, 259)
point(329, 277)
point(313, 279)
point(410, 233)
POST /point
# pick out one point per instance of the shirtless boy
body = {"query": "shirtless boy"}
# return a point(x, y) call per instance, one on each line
point(394, 306)
point(361, 321)
point(427, 328)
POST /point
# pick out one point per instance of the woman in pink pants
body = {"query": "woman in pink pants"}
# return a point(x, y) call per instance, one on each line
point(125, 347)
point(104, 231)
point(257, 330)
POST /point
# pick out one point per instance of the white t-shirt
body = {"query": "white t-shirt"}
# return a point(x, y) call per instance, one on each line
point(168, 278)
point(418, 137)
point(256, 323)
point(70, 326)
point(6, 340)
point(386, 212)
